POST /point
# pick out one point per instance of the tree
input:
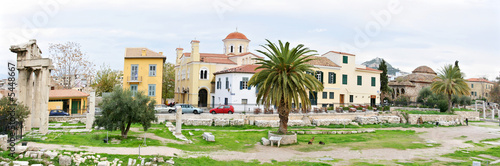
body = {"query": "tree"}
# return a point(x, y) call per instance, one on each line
point(70, 62)
point(122, 108)
point(22, 111)
point(105, 80)
point(424, 94)
point(168, 81)
point(450, 81)
point(384, 80)
point(283, 79)
point(495, 91)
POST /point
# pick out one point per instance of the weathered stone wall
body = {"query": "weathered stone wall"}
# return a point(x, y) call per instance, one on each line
point(377, 119)
point(471, 115)
point(442, 119)
point(326, 122)
point(237, 122)
point(67, 118)
point(197, 122)
point(297, 123)
point(267, 123)
point(3, 142)
point(221, 122)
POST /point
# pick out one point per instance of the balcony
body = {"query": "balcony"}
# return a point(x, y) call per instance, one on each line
point(134, 79)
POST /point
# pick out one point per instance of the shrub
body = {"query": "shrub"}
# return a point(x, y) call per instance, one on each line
point(386, 108)
point(442, 105)
point(370, 107)
point(359, 108)
point(345, 108)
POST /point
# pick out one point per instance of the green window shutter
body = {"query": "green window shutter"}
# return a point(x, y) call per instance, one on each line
point(345, 59)
point(351, 98)
point(344, 79)
point(321, 76)
point(241, 85)
point(334, 78)
point(330, 79)
point(373, 81)
point(360, 80)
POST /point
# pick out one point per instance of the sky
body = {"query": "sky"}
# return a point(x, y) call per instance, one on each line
point(407, 34)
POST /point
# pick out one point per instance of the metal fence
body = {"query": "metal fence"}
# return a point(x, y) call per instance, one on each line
point(4, 128)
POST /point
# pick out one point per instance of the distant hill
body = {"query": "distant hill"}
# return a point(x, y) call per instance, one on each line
point(374, 63)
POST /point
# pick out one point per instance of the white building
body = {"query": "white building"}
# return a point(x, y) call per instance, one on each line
point(231, 88)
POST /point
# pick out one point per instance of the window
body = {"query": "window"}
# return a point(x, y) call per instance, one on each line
point(332, 78)
point(225, 101)
point(471, 85)
point(134, 73)
point(244, 101)
point(244, 84)
point(204, 74)
point(219, 84)
point(324, 105)
point(373, 81)
point(227, 83)
point(325, 95)
point(319, 76)
point(241, 49)
point(151, 90)
point(332, 94)
point(133, 89)
point(152, 70)
point(351, 98)
point(231, 49)
point(344, 79)
point(345, 59)
point(360, 80)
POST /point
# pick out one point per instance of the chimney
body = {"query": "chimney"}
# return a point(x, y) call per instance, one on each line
point(195, 50)
point(143, 52)
point(179, 55)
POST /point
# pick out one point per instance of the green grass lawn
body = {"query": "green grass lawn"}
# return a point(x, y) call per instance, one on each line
point(384, 125)
point(208, 161)
point(224, 140)
point(425, 112)
point(395, 139)
point(95, 138)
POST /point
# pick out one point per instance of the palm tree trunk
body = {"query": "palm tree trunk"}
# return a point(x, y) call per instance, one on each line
point(449, 103)
point(283, 115)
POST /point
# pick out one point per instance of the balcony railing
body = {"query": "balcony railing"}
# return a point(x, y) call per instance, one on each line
point(134, 79)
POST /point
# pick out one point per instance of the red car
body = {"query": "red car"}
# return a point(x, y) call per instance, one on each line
point(223, 109)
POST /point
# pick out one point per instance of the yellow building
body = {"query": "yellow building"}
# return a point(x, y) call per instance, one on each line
point(479, 87)
point(143, 71)
point(194, 70)
point(69, 100)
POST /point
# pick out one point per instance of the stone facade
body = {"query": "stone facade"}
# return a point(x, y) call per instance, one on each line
point(470, 115)
point(411, 84)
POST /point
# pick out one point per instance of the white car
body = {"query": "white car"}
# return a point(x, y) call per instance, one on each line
point(164, 109)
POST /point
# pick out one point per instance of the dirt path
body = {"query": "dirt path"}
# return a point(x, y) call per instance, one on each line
point(153, 136)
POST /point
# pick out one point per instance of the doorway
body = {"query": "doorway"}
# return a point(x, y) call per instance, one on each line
point(342, 99)
point(202, 98)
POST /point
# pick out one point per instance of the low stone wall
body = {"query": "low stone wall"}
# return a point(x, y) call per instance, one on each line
point(326, 122)
point(470, 115)
point(267, 123)
point(377, 119)
point(297, 123)
point(4, 145)
point(442, 119)
point(411, 109)
point(334, 132)
point(67, 118)
point(197, 122)
point(237, 122)
point(221, 122)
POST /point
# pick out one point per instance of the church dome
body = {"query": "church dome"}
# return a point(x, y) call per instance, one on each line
point(236, 35)
point(424, 69)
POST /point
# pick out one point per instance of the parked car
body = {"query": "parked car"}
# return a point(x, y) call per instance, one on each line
point(58, 113)
point(223, 109)
point(187, 108)
point(164, 109)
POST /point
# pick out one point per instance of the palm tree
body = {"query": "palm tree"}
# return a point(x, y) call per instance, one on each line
point(450, 81)
point(283, 80)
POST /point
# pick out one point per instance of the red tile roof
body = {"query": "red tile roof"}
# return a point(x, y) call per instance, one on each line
point(137, 53)
point(370, 69)
point(478, 80)
point(243, 54)
point(236, 35)
point(241, 69)
point(321, 61)
point(218, 60)
point(337, 52)
point(67, 93)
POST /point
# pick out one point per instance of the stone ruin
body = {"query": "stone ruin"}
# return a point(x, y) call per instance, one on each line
point(33, 84)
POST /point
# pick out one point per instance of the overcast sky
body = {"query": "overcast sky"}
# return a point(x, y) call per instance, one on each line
point(407, 34)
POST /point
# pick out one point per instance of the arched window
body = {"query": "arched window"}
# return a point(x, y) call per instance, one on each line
point(204, 73)
point(241, 48)
point(231, 49)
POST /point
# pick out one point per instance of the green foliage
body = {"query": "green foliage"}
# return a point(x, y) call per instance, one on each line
point(462, 109)
point(21, 110)
point(426, 112)
point(402, 100)
point(450, 81)
point(283, 79)
point(345, 108)
point(370, 107)
point(205, 160)
point(466, 155)
point(106, 79)
point(168, 81)
point(384, 81)
point(424, 94)
point(224, 140)
point(443, 106)
point(495, 92)
point(121, 109)
point(95, 138)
